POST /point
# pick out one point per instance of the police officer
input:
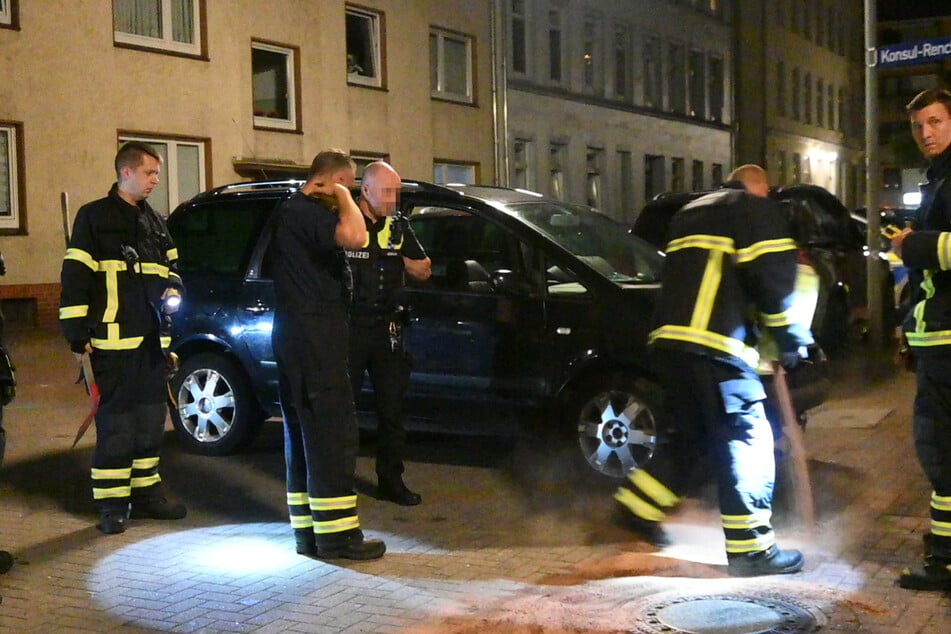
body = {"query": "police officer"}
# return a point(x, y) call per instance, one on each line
point(926, 250)
point(119, 282)
point(312, 285)
point(729, 251)
point(377, 317)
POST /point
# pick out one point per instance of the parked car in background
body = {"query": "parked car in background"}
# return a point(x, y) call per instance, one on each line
point(829, 241)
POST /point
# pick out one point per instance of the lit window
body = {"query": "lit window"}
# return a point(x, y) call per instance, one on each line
point(168, 25)
point(183, 170)
point(446, 172)
point(11, 178)
point(593, 176)
point(450, 65)
point(557, 157)
point(274, 86)
point(364, 47)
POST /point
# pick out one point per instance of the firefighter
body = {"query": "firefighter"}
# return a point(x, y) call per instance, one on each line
point(119, 285)
point(730, 271)
point(377, 318)
point(926, 250)
point(312, 286)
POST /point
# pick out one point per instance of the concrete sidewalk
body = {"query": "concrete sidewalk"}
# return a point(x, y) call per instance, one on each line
point(501, 543)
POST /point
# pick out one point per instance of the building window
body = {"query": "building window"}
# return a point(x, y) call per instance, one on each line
point(807, 99)
point(364, 47)
point(677, 174)
point(781, 88)
point(796, 168)
point(622, 57)
point(166, 25)
point(593, 169)
point(830, 105)
point(626, 184)
point(12, 194)
point(183, 169)
point(696, 83)
point(555, 44)
point(820, 102)
point(716, 174)
point(677, 78)
point(796, 91)
point(518, 24)
point(843, 100)
point(654, 176)
point(653, 85)
point(591, 53)
point(523, 164)
point(696, 176)
point(449, 172)
point(274, 86)
point(717, 88)
point(781, 167)
point(557, 158)
point(450, 65)
point(9, 15)
point(362, 158)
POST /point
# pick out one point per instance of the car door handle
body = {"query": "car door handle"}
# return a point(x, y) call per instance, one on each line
point(258, 309)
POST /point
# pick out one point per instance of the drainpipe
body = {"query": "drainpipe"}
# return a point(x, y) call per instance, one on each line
point(499, 94)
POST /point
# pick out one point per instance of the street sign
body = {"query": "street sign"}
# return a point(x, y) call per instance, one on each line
point(907, 53)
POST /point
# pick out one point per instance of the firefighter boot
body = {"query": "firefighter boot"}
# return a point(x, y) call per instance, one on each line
point(112, 521)
point(772, 561)
point(394, 490)
point(353, 546)
point(157, 508)
point(306, 542)
point(934, 574)
point(651, 532)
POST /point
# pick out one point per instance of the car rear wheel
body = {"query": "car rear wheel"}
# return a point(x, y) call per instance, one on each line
point(215, 412)
point(616, 427)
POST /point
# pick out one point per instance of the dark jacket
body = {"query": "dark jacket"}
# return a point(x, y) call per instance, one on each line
point(119, 262)
point(730, 271)
point(927, 251)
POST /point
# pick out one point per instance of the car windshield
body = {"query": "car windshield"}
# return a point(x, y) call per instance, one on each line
point(602, 243)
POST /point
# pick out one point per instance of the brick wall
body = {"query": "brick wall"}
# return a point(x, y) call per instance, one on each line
point(45, 297)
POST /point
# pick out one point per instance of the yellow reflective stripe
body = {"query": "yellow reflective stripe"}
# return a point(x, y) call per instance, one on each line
point(707, 339)
point(638, 507)
point(944, 250)
point(112, 492)
point(755, 545)
point(165, 342)
point(383, 238)
point(294, 499)
point(70, 312)
point(928, 339)
point(743, 522)
point(112, 295)
point(775, 320)
point(172, 254)
point(333, 504)
point(129, 343)
point(927, 284)
point(654, 488)
point(111, 474)
point(702, 241)
point(174, 277)
point(112, 266)
point(940, 503)
point(337, 526)
point(302, 521)
point(153, 268)
point(755, 250)
point(83, 257)
point(145, 463)
point(147, 481)
point(709, 285)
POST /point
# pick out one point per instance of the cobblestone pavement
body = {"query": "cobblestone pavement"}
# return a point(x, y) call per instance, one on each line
point(505, 541)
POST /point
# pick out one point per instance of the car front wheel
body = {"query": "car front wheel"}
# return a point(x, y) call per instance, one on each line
point(616, 427)
point(214, 411)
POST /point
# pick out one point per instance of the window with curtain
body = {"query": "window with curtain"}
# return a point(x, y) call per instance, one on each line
point(183, 170)
point(170, 25)
point(274, 89)
point(450, 65)
point(11, 196)
point(364, 47)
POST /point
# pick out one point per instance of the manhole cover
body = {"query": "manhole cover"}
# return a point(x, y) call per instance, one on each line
point(726, 614)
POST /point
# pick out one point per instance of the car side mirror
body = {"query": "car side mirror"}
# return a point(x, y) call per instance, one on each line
point(511, 283)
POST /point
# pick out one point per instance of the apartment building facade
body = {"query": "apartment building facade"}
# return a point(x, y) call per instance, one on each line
point(226, 91)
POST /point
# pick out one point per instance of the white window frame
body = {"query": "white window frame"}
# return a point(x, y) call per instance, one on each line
point(439, 91)
point(290, 69)
point(441, 169)
point(6, 12)
point(12, 221)
point(166, 43)
point(375, 20)
point(168, 179)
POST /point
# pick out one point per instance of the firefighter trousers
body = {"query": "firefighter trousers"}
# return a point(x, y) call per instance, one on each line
point(320, 428)
point(717, 420)
point(932, 432)
point(130, 423)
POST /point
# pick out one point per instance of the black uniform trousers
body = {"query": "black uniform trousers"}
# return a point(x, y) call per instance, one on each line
point(372, 351)
point(320, 427)
point(717, 417)
point(932, 433)
point(130, 423)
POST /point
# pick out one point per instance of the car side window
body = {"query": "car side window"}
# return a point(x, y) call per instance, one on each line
point(218, 237)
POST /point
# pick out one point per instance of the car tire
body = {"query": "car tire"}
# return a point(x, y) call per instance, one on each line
point(615, 422)
point(214, 411)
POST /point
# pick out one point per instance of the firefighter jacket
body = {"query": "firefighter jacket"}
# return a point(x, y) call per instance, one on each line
point(119, 263)
point(378, 267)
point(927, 252)
point(730, 271)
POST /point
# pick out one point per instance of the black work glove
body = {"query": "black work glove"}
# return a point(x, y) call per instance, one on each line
point(789, 360)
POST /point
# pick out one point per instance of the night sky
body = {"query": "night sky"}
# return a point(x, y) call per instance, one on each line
point(911, 9)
